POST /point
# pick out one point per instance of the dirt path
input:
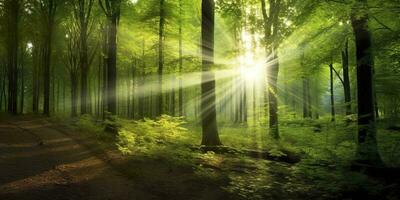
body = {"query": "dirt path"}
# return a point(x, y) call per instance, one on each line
point(39, 162)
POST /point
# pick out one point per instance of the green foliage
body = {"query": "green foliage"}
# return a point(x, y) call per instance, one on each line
point(88, 123)
point(150, 135)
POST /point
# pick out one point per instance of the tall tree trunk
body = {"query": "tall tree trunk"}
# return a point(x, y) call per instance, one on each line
point(180, 59)
point(332, 93)
point(305, 98)
point(346, 78)
point(48, 12)
point(141, 83)
point(173, 103)
point(3, 87)
point(35, 77)
point(99, 85)
point(82, 12)
point(245, 114)
point(46, 75)
point(273, 98)
point(112, 66)
point(133, 89)
point(12, 9)
point(309, 100)
point(271, 27)
point(22, 92)
point(208, 112)
point(160, 58)
point(63, 94)
point(74, 94)
point(306, 90)
point(367, 150)
point(84, 75)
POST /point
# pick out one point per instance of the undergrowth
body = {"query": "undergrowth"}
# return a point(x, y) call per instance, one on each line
point(327, 149)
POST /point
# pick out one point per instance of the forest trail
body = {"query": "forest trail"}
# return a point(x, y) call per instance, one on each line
point(39, 162)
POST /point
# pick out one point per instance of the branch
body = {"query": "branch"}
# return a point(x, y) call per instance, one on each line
point(382, 24)
point(103, 8)
point(338, 75)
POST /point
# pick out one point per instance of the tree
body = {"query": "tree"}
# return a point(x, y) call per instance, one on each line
point(208, 111)
point(72, 63)
point(112, 10)
point(346, 78)
point(271, 27)
point(47, 11)
point(332, 92)
point(160, 57)
point(180, 58)
point(12, 12)
point(367, 150)
point(82, 10)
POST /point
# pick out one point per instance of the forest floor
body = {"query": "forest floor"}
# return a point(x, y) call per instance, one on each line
point(46, 159)
point(39, 162)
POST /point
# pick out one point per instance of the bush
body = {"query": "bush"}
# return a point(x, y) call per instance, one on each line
point(150, 135)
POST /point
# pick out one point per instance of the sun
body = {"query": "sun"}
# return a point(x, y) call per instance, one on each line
point(252, 73)
point(251, 63)
point(251, 68)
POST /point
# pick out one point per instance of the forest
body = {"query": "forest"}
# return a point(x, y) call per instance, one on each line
point(199, 99)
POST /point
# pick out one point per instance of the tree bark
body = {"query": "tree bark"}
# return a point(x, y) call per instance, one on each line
point(180, 59)
point(141, 83)
point(272, 97)
point(112, 67)
point(48, 11)
point(112, 10)
point(36, 54)
point(271, 27)
point(332, 93)
point(160, 59)
point(74, 94)
point(22, 91)
point(82, 12)
point(12, 10)
point(208, 112)
point(346, 78)
point(367, 150)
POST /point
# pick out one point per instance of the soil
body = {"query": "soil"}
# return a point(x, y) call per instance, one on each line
point(37, 161)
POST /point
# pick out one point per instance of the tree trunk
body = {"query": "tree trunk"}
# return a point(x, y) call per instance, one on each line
point(112, 66)
point(3, 88)
point(367, 150)
point(332, 93)
point(133, 85)
point(271, 27)
point(84, 66)
point(12, 9)
point(208, 112)
point(46, 75)
point(22, 94)
point(305, 98)
point(180, 59)
point(273, 98)
point(141, 83)
point(35, 77)
point(82, 12)
point(309, 100)
point(346, 78)
point(74, 95)
point(173, 104)
point(49, 13)
point(160, 58)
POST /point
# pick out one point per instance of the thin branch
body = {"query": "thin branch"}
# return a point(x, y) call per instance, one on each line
point(338, 75)
point(382, 24)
